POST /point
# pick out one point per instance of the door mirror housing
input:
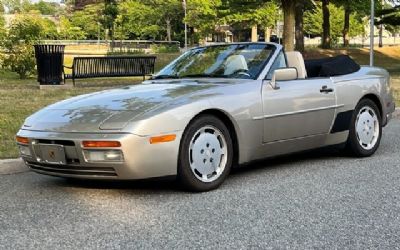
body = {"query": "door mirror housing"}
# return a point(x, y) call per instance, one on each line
point(284, 74)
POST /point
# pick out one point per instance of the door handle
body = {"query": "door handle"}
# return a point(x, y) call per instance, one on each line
point(325, 89)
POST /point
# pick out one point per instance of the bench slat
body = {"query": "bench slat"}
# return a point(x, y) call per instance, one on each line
point(112, 66)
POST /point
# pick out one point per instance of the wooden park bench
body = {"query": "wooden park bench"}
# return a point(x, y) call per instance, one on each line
point(110, 66)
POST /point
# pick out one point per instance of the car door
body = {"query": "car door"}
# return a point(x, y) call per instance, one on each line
point(299, 108)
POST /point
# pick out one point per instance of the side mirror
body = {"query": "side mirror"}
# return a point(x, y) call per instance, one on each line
point(284, 74)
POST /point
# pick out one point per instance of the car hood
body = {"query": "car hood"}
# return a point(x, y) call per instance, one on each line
point(112, 109)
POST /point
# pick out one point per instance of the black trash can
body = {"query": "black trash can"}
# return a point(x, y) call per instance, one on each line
point(49, 61)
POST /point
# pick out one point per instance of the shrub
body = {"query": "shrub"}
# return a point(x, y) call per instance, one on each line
point(126, 52)
point(20, 60)
point(17, 45)
point(165, 48)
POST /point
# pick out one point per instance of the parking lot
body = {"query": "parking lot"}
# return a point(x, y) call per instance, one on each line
point(319, 199)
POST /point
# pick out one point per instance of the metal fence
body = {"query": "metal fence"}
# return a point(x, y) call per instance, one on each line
point(132, 43)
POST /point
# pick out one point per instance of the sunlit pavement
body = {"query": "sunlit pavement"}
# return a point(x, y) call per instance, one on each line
point(320, 199)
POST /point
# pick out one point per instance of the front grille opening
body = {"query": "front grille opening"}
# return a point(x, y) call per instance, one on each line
point(58, 142)
point(73, 170)
point(72, 161)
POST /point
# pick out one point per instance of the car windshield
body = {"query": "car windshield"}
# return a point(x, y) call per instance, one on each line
point(226, 61)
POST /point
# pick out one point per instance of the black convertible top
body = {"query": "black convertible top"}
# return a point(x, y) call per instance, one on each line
point(331, 66)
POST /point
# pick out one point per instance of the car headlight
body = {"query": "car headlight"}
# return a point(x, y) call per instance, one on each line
point(103, 155)
point(24, 150)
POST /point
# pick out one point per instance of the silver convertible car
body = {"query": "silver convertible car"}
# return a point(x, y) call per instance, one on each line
point(212, 108)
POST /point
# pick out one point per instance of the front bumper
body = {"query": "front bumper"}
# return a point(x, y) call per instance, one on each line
point(141, 159)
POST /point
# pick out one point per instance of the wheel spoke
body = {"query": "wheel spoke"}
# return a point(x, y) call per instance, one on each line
point(206, 150)
point(367, 128)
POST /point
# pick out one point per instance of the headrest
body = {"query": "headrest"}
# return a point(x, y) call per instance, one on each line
point(295, 60)
point(235, 63)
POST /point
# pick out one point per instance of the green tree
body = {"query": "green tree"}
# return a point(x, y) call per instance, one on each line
point(89, 20)
point(24, 31)
point(389, 15)
point(246, 14)
point(13, 6)
point(170, 15)
point(2, 28)
point(110, 14)
point(203, 15)
point(68, 31)
point(361, 7)
point(136, 21)
point(313, 22)
point(45, 8)
point(301, 6)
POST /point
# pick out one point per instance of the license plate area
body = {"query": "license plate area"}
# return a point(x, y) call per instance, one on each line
point(52, 154)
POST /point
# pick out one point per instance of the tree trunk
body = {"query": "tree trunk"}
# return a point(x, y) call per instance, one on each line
point(326, 25)
point(289, 23)
point(267, 34)
point(254, 33)
point(112, 33)
point(380, 36)
point(346, 27)
point(299, 31)
point(168, 21)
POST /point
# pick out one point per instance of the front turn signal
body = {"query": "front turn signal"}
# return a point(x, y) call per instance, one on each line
point(162, 138)
point(101, 144)
point(22, 140)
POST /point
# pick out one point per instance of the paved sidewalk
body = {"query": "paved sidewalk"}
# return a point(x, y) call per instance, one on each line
point(396, 113)
point(12, 166)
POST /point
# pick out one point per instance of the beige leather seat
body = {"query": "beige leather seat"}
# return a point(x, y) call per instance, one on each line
point(235, 63)
point(295, 60)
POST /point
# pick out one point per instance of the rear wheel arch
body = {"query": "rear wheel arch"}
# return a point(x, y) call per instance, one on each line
point(376, 100)
point(363, 130)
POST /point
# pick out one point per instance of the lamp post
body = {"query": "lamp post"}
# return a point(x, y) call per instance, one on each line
point(185, 9)
point(371, 45)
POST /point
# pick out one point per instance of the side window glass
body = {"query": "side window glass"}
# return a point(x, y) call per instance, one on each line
point(280, 62)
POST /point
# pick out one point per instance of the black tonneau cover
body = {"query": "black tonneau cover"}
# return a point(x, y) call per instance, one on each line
point(332, 66)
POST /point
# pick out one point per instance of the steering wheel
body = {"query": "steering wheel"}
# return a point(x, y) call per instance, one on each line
point(241, 72)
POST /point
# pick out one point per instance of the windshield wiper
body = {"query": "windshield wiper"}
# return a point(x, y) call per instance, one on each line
point(165, 77)
point(204, 75)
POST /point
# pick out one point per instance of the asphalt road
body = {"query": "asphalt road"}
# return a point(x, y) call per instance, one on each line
point(321, 199)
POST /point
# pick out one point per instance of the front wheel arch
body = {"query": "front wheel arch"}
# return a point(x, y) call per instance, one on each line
point(224, 117)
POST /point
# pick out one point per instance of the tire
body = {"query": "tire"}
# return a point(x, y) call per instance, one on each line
point(365, 129)
point(205, 154)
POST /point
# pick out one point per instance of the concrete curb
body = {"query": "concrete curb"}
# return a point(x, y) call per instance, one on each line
point(396, 113)
point(12, 166)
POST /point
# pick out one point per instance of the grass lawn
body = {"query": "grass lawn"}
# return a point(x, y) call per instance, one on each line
point(20, 98)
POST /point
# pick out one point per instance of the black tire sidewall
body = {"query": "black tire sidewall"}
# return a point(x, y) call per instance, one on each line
point(185, 174)
point(352, 143)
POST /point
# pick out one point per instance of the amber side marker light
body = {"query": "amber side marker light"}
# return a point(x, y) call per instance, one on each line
point(101, 144)
point(163, 138)
point(22, 140)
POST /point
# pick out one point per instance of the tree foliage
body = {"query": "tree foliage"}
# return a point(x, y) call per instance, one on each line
point(313, 22)
point(88, 20)
point(389, 16)
point(203, 15)
point(25, 30)
point(23, 6)
point(45, 8)
point(68, 31)
point(136, 21)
